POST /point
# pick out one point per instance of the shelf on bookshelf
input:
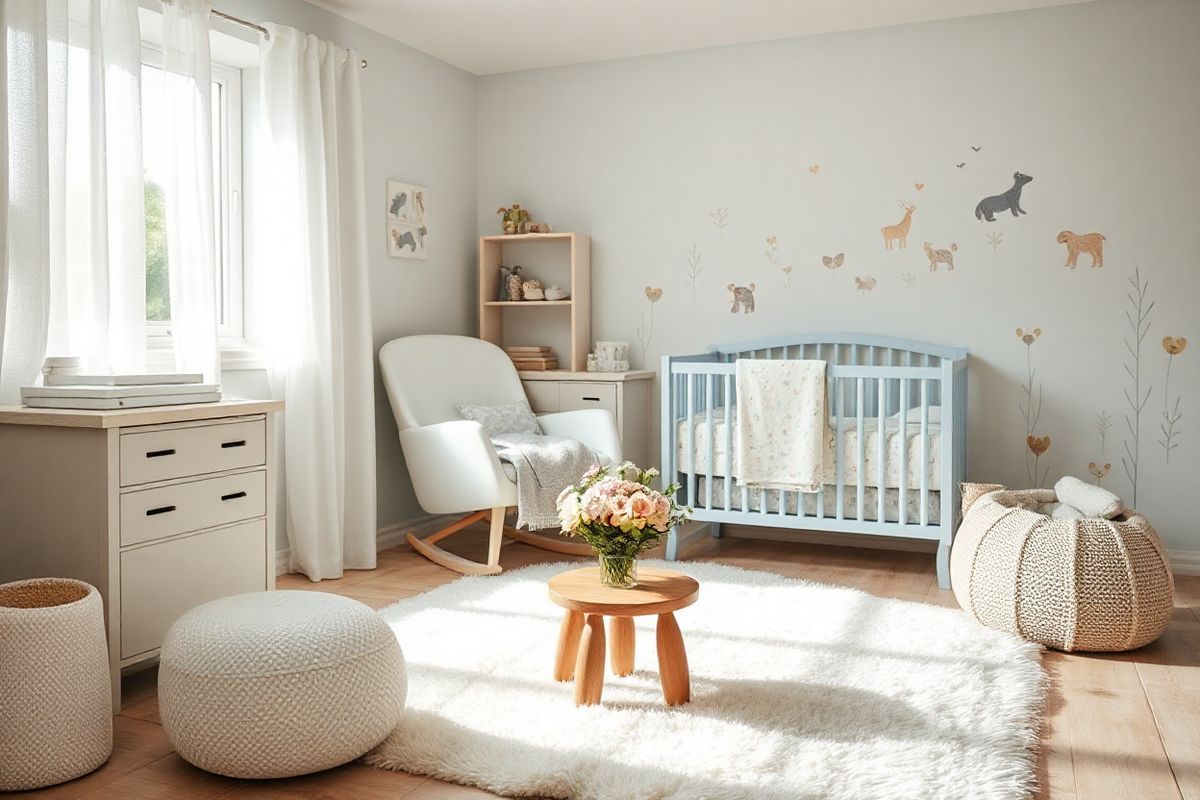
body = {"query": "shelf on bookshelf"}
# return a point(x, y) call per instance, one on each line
point(528, 303)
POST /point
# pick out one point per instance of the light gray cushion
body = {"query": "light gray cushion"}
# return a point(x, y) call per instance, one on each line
point(515, 417)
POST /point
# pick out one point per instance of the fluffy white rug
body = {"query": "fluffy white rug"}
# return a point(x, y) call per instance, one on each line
point(799, 690)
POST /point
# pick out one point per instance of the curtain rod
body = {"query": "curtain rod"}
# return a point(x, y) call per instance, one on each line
point(252, 25)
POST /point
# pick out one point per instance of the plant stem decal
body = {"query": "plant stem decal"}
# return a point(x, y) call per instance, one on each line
point(1103, 424)
point(1031, 410)
point(1174, 345)
point(1138, 316)
point(720, 218)
point(645, 328)
point(694, 268)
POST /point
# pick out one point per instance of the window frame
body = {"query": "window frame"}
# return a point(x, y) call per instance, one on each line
point(228, 222)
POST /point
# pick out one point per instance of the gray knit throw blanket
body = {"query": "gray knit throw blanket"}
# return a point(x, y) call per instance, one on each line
point(545, 466)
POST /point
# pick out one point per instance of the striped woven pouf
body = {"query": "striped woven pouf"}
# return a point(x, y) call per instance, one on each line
point(1071, 584)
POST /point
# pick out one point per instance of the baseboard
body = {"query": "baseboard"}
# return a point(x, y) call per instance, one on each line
point(1185, 562)
point(386, 537)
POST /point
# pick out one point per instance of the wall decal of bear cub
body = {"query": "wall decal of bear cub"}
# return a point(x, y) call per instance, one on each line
point(1009, 201)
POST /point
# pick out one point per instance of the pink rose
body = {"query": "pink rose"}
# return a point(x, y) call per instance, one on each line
point(641, 505)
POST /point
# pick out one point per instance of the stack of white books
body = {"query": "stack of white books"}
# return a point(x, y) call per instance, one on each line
point(104, 392)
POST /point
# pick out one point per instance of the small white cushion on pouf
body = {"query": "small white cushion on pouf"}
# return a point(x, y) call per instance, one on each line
point(273, 684)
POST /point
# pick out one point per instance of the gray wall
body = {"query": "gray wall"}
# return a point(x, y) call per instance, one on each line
point(419, 123)
point(1097, 102)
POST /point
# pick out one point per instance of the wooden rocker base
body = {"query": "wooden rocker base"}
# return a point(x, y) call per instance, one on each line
point(427, 546)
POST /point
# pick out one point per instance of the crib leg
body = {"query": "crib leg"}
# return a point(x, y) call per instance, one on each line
point(673, 544)
point(943, 566)
point(714, 528)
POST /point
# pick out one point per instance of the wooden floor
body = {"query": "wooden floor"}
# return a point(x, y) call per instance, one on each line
point(1121, 726)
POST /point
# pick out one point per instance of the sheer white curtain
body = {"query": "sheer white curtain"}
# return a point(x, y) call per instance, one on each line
point(74, 277)
point(312, 268)
point(188, 186)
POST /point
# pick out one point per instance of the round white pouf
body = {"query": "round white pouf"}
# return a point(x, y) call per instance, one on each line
point(55, 689)
point(274, 684)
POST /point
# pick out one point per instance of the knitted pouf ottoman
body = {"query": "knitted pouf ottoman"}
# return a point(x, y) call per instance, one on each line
point(274, 684)
point(55, 689)
point(1071, 584)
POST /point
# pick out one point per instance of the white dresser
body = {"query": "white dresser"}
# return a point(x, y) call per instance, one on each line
point(160, 508)
point(625, 394)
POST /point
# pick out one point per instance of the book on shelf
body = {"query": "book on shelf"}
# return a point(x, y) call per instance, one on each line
point(527, 351)
point(175, 378)
point(114, 403)
point(540, 365)
point(118, 392)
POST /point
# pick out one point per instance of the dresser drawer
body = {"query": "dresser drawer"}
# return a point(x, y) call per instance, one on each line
point(161, 581)
point(168, 510)
point(574, 395)
point(543, 396)
point(181, 452)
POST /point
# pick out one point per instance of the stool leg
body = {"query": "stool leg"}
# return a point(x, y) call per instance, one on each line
point(620, 656)
point(672, 662)
point(589, 666)
point(568, 645)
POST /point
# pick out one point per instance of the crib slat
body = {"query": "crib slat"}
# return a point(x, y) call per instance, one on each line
point(881, 451)
point(691, 438)
point(840, 448)
point(860, 499)
point(709, 385)
point(924, 451)
point(829, 406)
point(728, 441)
point(903, 493)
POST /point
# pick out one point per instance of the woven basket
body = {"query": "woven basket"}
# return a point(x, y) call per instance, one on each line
point(1071, 584)
point(55, 694)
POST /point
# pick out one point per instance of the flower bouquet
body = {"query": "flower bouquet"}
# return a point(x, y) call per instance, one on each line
point(615, 510)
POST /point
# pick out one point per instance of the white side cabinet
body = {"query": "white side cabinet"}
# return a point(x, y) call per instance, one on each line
point(625, 394)
point(160, 508)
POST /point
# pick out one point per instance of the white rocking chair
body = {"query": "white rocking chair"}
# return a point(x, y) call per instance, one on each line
point(452, 463)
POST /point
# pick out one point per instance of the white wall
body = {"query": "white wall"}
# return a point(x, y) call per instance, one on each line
point(1097, 102)
point(419, 122)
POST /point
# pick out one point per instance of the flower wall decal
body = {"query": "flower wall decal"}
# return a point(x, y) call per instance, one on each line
point(1171, 415)
point(645, 328)
point(1031, 410)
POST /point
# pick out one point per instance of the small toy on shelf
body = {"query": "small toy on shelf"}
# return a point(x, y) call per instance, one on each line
point(502, 290)
point(556, 292)
point(532, 290)
point(515, 218)
point(514, 283)
point(537, 227)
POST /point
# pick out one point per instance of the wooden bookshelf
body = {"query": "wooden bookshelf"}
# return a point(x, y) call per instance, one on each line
point(577, 306)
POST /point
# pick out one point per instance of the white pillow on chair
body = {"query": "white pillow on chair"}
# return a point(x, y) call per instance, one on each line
point(515, 417)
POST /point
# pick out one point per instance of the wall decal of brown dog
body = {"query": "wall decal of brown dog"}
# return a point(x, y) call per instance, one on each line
point(1090, 243)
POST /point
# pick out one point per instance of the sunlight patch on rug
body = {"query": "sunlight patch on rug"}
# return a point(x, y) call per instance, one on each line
point(799, 690)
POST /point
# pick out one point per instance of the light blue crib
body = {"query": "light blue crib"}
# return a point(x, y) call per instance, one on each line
point(896, 438)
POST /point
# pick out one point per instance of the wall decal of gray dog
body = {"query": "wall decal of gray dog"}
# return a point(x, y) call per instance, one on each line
point(1009, 201)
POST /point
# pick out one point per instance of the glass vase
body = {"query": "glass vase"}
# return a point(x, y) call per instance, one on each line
point(619, 572)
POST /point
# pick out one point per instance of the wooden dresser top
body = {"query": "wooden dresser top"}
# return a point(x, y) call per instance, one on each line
point(119, 418)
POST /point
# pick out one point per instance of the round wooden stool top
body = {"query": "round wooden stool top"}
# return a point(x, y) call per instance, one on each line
point(659, 591)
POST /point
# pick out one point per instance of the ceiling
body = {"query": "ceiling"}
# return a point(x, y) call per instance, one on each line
point(490, 36)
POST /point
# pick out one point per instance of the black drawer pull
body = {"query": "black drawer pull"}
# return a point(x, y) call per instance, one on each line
point(160, 453)
point(161, 510)
point(233, 496)
point(593, 399)
point(238, 443)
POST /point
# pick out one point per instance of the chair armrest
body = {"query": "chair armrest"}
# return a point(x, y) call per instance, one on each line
point(454, 468)
point(595, 427)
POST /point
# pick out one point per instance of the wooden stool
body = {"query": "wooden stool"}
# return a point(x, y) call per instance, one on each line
point(581, 637)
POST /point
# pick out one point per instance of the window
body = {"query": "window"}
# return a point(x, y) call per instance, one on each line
point(227, 186)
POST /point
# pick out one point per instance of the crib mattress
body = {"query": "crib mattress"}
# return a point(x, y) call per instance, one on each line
point(892, 442)
point(891, 502)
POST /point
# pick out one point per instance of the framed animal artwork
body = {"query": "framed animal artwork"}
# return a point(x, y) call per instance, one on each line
point(407, 220)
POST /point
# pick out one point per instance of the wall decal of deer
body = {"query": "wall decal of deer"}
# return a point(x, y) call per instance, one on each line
point(899, 231)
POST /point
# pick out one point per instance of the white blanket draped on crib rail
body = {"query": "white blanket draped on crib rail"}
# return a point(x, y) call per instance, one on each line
point(781, 423)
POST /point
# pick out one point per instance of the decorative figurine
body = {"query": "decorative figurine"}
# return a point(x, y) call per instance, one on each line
point(502, 292)
point(514, 284)
point(556, 292)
